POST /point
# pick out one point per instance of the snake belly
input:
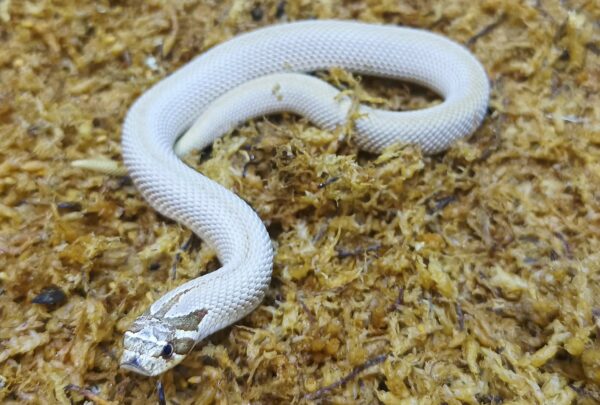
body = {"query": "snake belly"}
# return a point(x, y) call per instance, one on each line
point(253, 74)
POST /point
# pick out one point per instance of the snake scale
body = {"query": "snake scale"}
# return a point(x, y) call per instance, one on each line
point(251, 75)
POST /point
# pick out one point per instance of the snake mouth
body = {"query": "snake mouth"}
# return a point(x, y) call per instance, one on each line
point(131, 363)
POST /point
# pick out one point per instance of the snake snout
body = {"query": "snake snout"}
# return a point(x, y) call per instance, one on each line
point(130, 361)
point(148, 354)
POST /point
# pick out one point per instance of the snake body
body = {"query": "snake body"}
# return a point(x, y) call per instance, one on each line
point(254, 74)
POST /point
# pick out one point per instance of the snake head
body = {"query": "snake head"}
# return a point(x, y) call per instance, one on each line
point(153, 345)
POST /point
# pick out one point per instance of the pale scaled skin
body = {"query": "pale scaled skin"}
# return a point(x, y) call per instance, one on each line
point(249, 76)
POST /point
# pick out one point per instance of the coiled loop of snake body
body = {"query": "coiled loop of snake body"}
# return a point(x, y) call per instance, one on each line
point(252, 75)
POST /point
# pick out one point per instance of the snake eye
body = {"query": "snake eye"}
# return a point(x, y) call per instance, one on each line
point(167, 351)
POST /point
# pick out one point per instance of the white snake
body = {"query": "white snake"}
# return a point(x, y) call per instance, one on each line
point(249, 76)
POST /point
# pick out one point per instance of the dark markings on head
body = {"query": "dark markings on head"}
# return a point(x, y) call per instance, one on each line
point(183, 346)
point(170, 304)
point(139, 323)
point(188, 322)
